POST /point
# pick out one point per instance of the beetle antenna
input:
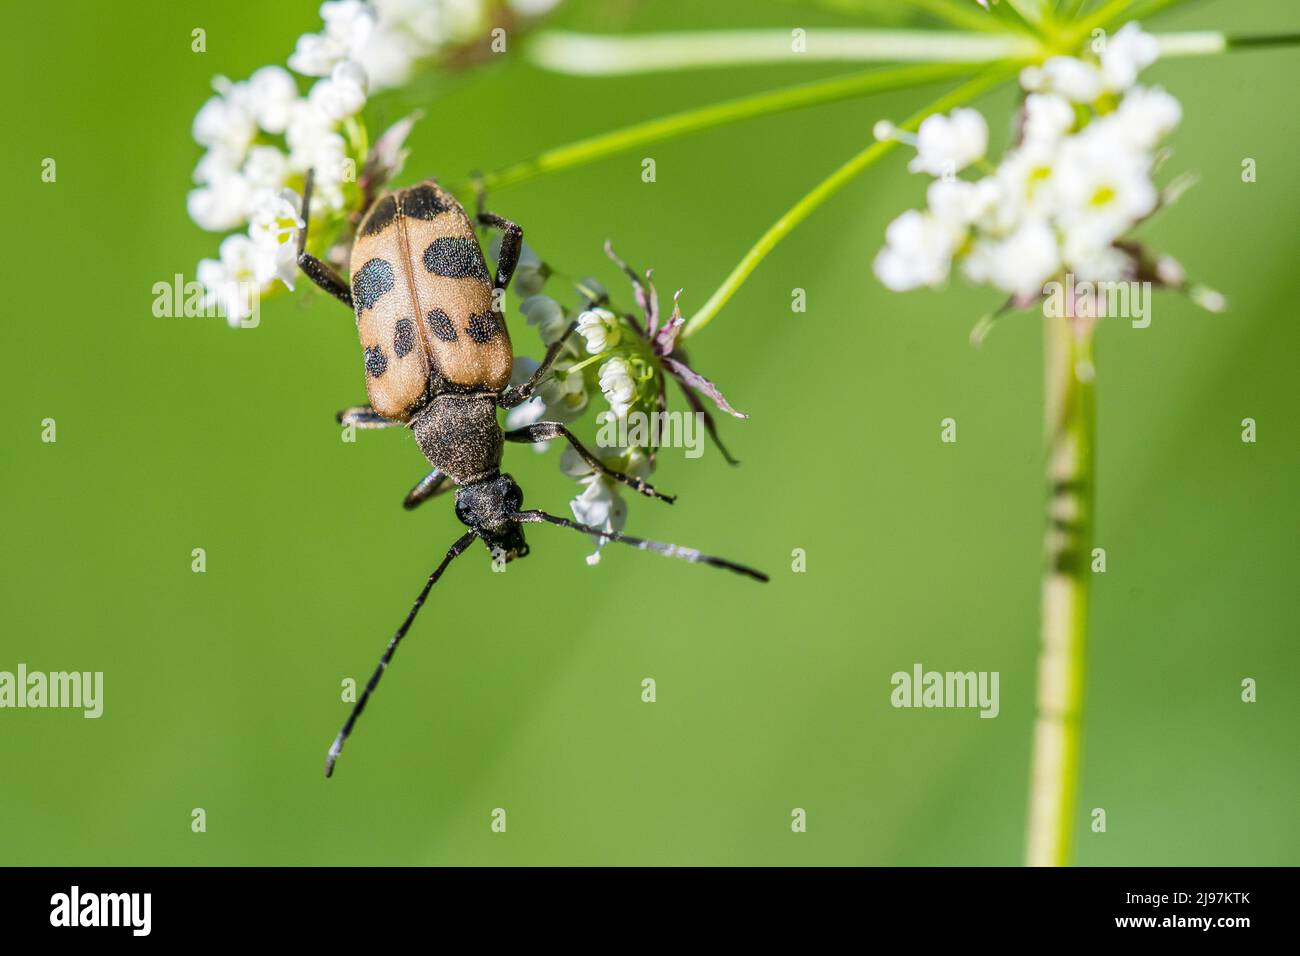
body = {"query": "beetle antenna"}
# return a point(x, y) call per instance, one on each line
point(306, 210)
point(456, 549)
point(668, 550)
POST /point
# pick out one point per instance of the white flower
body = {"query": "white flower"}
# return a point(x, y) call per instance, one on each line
point(1102, 185)
point(215, 164)
point(222, 203)
point(1057, 202)
point(389, 56)
point(1072, 78)
point(226, 122)
point(274, 226)
point(1024, 179)
point(1047, 117)
point(272, 92)
point(315, 55)
point(1125, 55)
point(958, 203)
point(308, 127)
point(1148, 115)
point(348, 24)
point(1092, 261)
point(618, 386)
point(230, 280)
point(545, 313)
point(947, 145)
point(342, 93)
point(599, 327)
point(266, 168)
point(564, 392)
point(918, 251)
point(1018, 264)
point(326, 153)
point(599, 505)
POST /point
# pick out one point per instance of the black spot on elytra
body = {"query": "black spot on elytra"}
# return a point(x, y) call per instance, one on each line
point(381, 215)
point(422, 202)
point(440, 325)
point(372, 280)
point(455, 258)
point(376, 363)
point(483, 327)
point(403, 338)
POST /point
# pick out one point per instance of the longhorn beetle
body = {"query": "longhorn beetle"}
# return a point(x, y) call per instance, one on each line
point(437, 360)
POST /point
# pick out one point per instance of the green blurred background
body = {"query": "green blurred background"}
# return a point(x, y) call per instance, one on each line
point(522, 690)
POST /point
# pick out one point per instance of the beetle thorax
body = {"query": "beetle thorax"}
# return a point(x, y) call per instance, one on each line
point(460, 436)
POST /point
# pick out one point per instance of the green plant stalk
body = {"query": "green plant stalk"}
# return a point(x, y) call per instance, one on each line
point(828, 188)
point(588, 54)
point(718, 114)
point(1069, 415)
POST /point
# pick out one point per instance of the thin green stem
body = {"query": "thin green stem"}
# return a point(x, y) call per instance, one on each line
point(829, 187)
point(1069, 411)
point(1261, 42)
point(605, 55)
point(579, 366)
point(718, 114)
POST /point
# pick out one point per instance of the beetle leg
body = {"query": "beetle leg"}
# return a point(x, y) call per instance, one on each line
point(518, 394)
point(363, 416)
point(512, 240)
point(431, 485)
point(544, 431)
point(319, 272)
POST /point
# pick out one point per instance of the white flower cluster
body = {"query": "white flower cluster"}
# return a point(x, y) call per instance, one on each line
point(599, 360)
point(262, 135)
point(1077, 181)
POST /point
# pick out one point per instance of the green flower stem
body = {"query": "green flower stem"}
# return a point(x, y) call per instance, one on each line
point(606, 55)
point(719, 114)
point(591, 55)
point(1261, 42)
point(829, 187)
point(579, 366)
point(1070, 402)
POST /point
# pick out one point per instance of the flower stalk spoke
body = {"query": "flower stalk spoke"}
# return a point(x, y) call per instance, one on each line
point(594, 55)
point(767, 103)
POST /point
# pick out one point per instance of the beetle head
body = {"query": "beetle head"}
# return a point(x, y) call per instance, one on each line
point(487, 507)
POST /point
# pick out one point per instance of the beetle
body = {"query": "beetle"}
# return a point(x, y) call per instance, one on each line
point(438, 360)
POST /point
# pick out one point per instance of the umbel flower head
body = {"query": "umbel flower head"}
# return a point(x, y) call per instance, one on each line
point(1063, 198)
point(261, 136)
point(615, 362)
